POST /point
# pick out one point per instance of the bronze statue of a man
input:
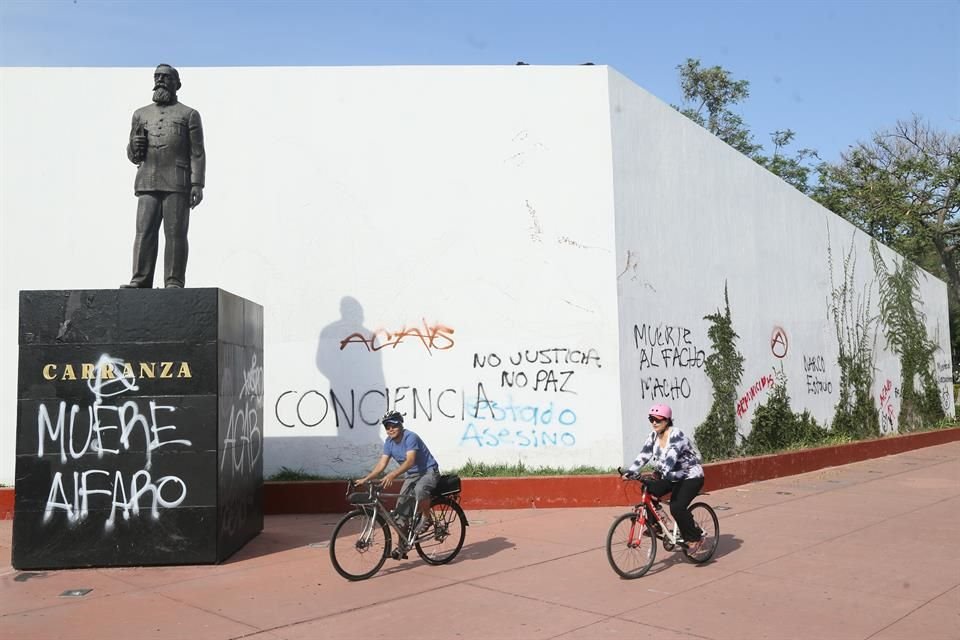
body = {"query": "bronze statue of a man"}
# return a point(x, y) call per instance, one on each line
point(166, 144)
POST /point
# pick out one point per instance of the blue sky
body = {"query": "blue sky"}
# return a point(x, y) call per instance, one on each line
point(831, 71)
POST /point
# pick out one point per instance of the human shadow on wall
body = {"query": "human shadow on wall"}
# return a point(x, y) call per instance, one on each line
point(357, 397)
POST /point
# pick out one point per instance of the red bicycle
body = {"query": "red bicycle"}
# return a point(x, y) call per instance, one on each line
point(632, 539)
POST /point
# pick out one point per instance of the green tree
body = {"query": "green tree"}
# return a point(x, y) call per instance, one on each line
point(903, 188)
point(709, 95)
point(795, 169)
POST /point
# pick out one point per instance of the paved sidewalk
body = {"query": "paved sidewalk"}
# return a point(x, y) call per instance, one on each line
point(866, 551)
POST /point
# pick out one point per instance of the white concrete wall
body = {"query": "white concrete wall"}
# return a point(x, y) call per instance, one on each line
point(694, 216)
point(475, 202)
point(499, 209)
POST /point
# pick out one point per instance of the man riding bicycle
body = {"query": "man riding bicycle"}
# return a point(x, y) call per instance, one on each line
point(415, 460)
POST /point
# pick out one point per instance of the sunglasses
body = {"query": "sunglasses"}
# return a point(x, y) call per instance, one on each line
point(391, 425)
point(654, 419)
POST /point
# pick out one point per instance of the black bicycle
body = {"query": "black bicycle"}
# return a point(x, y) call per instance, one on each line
point(363, 538)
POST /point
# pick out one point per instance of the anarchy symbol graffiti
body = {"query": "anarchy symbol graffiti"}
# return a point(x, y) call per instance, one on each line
point(778, 342)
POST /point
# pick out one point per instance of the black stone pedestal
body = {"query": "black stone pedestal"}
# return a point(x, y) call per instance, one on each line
point(139, 427)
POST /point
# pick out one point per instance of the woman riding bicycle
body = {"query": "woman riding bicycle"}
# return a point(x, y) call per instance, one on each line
point(678, 470)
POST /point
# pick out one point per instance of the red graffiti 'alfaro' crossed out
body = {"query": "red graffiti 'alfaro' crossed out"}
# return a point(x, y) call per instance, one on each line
point(435, 337)
point(765, 382)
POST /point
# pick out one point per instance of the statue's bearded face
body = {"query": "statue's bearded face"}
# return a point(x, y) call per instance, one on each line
point(164, 86)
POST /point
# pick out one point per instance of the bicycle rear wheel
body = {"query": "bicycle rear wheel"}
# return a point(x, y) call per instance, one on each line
point(631, 547)
point(705, 518)
point(359, 545)
point(441, 543)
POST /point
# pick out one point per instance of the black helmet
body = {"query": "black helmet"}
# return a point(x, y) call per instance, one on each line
point(392, 417)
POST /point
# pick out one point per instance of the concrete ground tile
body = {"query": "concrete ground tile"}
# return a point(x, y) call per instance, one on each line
point(151, 577)
point(916, 576)
point(905, 534)
point(263, 635)
point(487, 517)
point(286, 533)
point(851, 504)
point(752, 606)
point(587, 530)
point(949, 599)
point(6, 538)
point(767, 529)
point(30, 590)
point(501, 552)
point(551, 525)
point(539, 573)
point(473, 612)
point(128, 615)
point(618, 629)
point(561, 582)
point(807, 520)
point(755, 497)
point(919, 488)
point(898, 536)
point(310, 590)
point(930, 622)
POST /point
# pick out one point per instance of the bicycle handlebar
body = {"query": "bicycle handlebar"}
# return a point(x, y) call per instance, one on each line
point(372, 486)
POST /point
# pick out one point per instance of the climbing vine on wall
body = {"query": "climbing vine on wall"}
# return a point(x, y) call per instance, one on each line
point(855, 414)
point(906, 334)
point(717, 435)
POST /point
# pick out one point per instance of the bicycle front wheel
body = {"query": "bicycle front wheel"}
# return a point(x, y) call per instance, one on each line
point(706, 519)
point(359, 545)
point(631, 547)
point(442, 541)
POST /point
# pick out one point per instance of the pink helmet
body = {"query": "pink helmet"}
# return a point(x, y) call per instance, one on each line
point(661, 411)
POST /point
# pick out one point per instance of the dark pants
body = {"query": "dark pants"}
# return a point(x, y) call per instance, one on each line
point(174, 210)
point(681, 495)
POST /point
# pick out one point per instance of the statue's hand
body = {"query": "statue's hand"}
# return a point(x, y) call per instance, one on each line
point(139, 144)
point(196, 195)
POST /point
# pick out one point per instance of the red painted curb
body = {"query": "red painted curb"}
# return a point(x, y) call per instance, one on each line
point(6, 503)
point(324, 496)
point(327, 496)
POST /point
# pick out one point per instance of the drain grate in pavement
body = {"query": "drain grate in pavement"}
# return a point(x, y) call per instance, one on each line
point(784, 493)
point(75, 593)
point(722, 508)
point(318, 545)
